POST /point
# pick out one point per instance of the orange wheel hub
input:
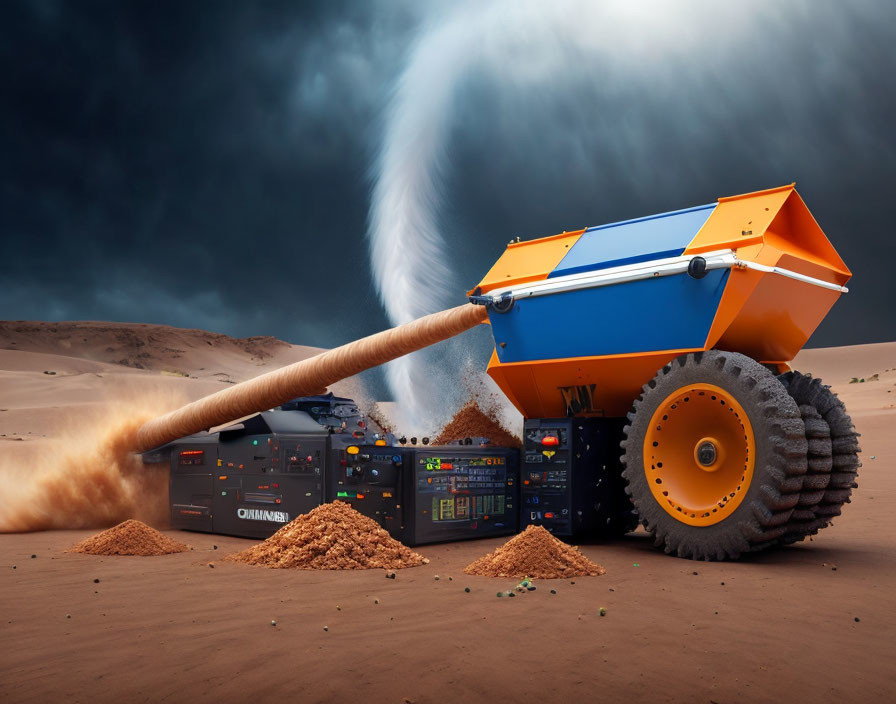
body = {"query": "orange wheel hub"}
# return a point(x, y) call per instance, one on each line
point(699, 454)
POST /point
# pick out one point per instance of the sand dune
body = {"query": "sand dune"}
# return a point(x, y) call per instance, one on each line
point(51, 372)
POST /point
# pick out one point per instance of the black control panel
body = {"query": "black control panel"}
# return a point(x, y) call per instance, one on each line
point(369, 478)
point(456, 494)
point(570, 480)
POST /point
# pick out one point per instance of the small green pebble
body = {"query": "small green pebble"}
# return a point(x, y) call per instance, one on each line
point(510, 594)
point(603, 611)
point(467, 590)
point(636, 564)
point(500, 594)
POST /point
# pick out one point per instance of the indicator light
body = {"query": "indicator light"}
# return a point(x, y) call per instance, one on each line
point(222, 477)
point(255, 442)
point(187, 453)
point(550, 440)
point(352, 450)
point(380, 443)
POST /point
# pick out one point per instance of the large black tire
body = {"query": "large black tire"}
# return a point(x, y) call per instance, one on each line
point(811, 393)
point(805, 520)
point(779, 465)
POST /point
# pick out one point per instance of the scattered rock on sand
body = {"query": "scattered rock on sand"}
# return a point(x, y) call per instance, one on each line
point(129, 538)
point(331, 537)
point(537, 554)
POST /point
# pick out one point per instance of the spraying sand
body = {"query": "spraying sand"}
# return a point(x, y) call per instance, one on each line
point(331, 537)
point(472, 422)
point(88, 476)
point(130, 538)
point(535, 553)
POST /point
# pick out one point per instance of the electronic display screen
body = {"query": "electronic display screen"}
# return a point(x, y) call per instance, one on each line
point(191, 457)
point(453, 489)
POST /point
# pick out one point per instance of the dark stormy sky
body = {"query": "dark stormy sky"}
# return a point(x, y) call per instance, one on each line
point(208, 164)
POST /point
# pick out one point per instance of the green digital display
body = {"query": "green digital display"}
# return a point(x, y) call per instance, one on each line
point(437, 464)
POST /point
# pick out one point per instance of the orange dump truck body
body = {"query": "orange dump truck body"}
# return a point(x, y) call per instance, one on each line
point(583, 319)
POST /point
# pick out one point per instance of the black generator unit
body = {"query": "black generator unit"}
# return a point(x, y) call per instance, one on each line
point(458, 493)
point(249, 478)
point(252, 477)
point(430, 494)
point(572, 477)
point(371, 479)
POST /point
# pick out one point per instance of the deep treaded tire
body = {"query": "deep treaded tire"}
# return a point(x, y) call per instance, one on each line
point(779, 464)
point(809, 391)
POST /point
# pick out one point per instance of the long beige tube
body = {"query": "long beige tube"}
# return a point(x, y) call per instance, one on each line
point(310, 376)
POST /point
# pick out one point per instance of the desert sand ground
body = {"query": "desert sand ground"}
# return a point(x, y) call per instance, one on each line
point(812, 622)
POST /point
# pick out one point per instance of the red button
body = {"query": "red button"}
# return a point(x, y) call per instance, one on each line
point(550, 440)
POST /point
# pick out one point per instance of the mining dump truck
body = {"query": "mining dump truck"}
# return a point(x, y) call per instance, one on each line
point(673, 334)
point(667, 336)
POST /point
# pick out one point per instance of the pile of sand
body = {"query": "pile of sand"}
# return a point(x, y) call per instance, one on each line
point(472, 422)
point(130, 538)
point(331, 537)
point(535, 553)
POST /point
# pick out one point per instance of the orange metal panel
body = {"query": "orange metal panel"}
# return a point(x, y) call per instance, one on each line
point(768, 316)
point(523, 262)
point(542, 389)
point(739, 220)
point(777, 318)
point(795, 232)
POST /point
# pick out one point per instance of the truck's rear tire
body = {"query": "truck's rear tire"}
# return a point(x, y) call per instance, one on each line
point(817, 399)
point(715, 453)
